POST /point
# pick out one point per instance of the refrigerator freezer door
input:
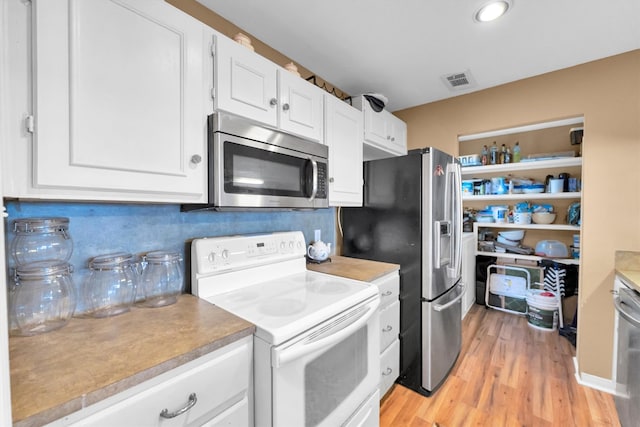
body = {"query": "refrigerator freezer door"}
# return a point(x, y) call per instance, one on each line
point(441, 336)
point(441, 223)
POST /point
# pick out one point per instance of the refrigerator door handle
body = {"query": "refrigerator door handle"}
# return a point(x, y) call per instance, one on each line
point(441, 307)
point(455, 192)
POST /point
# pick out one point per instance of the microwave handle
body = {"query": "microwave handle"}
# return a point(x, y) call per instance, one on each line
point(314, 188)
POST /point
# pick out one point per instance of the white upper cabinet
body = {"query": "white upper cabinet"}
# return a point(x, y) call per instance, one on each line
point(119, 102)
point(385, 135)
point(343, 136)
point(251, 86)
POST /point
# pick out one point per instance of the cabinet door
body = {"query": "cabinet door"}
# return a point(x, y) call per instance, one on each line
point(375, 126)
point(118, 99)
point(343, 135)
point(245, 82)
point(389, 324)
point(301, 106)
point(397, 141)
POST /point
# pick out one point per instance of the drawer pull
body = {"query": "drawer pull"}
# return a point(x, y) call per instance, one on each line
point(387, 328)
point(192, 401)
point(387, 371)
point(387, 293)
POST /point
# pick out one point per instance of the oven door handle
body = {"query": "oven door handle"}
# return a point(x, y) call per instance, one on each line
point(325, 337)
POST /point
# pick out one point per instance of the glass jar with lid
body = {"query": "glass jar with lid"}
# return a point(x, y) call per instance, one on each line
point(161, 281)
point(41, 239)
point(43, 298)
point(110, 288)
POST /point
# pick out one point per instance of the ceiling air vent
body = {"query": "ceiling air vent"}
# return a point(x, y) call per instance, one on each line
point(459, 81)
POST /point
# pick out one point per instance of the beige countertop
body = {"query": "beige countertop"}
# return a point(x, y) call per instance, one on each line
point(628, 267)
point(63, 371)
point(354, 268)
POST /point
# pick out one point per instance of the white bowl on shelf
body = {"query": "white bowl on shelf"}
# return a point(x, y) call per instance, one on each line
point(543, 217)
point(515, 235)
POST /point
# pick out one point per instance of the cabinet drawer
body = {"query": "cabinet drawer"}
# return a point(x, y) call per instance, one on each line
point(389, 367)
point(389, 324)
point(389, 288)
point(221, 387)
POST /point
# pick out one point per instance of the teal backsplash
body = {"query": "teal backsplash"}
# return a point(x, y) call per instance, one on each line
point(101, 228)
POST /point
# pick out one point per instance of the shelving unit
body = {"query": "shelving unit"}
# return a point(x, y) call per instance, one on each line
point(522, 196)
point(550, 137)
point(563, 162)
point(557, 227)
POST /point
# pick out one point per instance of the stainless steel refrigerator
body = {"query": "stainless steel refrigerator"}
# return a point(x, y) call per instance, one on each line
point(412, 216)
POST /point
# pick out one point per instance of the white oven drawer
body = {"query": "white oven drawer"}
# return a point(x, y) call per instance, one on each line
point(389, 325)
point(389, 288)
point(389, 367)
point(221, 385)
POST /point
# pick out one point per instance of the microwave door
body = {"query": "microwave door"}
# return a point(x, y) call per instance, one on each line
point(254, 174)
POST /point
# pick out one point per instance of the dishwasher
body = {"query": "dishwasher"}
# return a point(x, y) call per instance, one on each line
point(627, 303)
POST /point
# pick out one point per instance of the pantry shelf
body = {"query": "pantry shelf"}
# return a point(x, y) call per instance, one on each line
point(565, 162)
point(557, 227)
point(566, 261)
point(523, 196)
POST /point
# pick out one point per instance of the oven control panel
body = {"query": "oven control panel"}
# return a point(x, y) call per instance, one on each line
point(218, 254)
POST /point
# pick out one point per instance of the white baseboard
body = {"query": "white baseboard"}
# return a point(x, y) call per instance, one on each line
point(598, 383)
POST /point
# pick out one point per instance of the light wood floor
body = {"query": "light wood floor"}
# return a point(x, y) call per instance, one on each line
point(508, 374)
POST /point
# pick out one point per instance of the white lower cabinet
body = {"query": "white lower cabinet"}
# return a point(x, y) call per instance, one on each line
point(389, 290)
point(389, 365)
point(213, 390)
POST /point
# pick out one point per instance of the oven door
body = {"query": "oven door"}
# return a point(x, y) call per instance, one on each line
point(322, 377)
point(249, 173)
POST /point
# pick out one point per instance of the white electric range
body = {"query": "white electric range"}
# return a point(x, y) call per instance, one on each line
point(316, 345)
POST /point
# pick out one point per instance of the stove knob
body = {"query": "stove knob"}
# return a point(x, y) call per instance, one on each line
point(283, 246)
point(225, 254)
point(212, 257)
point(291, 245)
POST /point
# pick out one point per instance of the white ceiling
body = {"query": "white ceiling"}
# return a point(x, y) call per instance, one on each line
point(402, 48)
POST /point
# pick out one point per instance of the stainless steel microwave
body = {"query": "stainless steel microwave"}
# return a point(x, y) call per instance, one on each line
point(251, 166)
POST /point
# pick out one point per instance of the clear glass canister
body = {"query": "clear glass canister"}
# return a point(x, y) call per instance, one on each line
point(110, 288)
point(41, 239)
point(43, 298)
point(161, 281)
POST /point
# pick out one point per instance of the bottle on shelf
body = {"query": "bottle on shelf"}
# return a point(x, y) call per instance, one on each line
point(485, 155)
point(516, 152)
point(507, 155)
point(493, 154)
point(503, 154)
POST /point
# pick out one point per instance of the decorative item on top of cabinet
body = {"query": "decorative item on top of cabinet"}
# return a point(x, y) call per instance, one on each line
point(126, 124)
point(343, 136)
point(251, 86)
point(385, 135)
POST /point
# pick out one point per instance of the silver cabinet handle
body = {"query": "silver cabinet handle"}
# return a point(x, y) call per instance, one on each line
point(387, 371)
point(196, 158)
point(331, 179)
point(285, 107)
point(273, 102)
point(192, 401)
point(387, 328)
point(386, 294)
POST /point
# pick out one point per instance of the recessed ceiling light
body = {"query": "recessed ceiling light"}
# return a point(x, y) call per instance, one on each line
point(492, 10)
